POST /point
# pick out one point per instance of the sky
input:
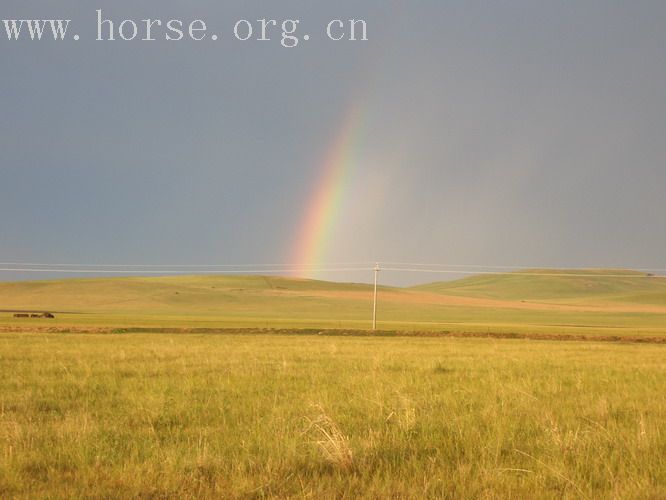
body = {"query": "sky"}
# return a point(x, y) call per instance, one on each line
point(510, 133)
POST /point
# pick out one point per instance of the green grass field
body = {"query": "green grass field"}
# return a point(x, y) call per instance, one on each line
point(630, 305)
point(246, 416)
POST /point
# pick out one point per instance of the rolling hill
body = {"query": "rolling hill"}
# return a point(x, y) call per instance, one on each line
point(595, 301)
point(588, 286)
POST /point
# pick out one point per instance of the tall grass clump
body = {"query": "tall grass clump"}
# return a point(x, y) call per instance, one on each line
point(329, 440)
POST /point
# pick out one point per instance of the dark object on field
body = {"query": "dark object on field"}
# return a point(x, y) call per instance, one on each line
point(34, 315)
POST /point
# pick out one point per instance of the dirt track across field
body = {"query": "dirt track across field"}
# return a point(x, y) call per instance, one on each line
point(455, 300)
point(342, 333)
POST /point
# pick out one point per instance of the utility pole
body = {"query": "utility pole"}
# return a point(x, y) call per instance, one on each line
point(374, 302)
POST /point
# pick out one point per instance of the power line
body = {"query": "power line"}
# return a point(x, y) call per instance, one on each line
point(376, 270)
point(324, 266)
point(174, 272)
point(166, 266)
point(180, 269)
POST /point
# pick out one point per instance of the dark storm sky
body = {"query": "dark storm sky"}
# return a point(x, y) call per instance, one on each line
point(496, 133)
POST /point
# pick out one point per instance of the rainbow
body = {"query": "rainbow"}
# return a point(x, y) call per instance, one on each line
point(319, 222)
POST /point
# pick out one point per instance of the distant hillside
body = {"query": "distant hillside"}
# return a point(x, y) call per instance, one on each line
point(557, 285)
point(529, 302)
point(157, 294)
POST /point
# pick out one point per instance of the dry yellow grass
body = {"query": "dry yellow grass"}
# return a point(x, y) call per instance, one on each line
point(329, 440)
point(211, 416)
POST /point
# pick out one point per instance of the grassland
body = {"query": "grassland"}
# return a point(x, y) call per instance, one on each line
point(242, 416)
point(310, 413)
point(605, 304)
